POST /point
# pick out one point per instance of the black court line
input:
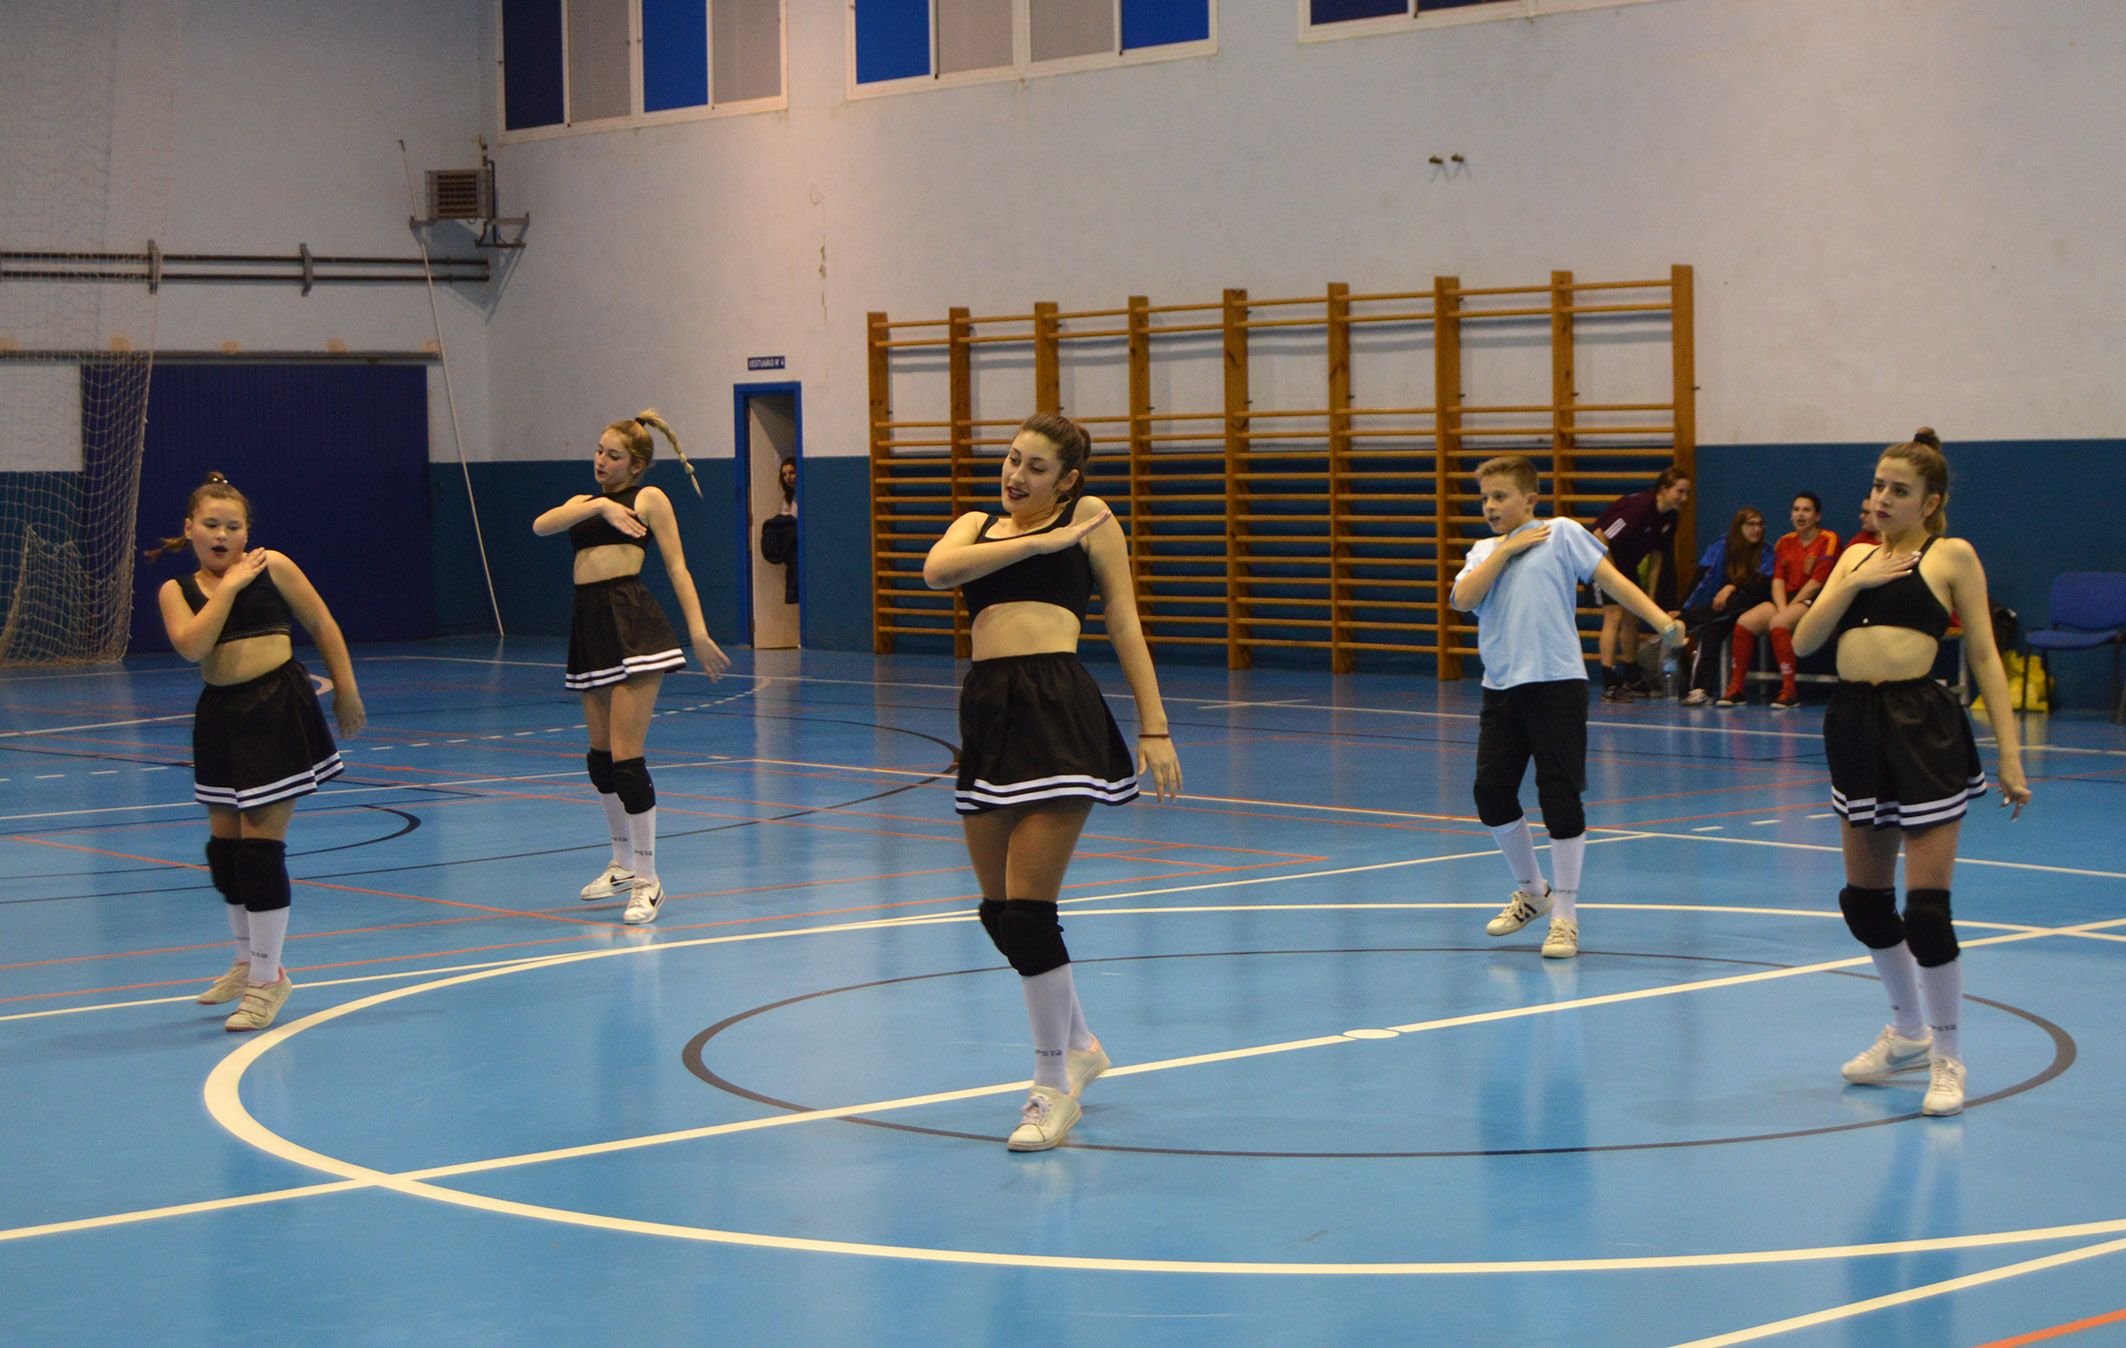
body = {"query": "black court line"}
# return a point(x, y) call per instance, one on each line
point(2063, 1056)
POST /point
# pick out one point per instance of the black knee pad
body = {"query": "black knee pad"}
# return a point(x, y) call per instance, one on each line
point(1871, 915)
point(1496, 805)
point(1927, 927)
point(600, 764)
point(1562, 815)
point(221, 865)
point(992, 914)
point(1031, 937)
point(631, 782)
point(261, 868)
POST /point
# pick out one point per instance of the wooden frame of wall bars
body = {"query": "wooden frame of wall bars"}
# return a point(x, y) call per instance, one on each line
point(1337, 528)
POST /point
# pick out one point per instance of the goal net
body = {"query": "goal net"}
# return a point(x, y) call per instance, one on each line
point(84, 188)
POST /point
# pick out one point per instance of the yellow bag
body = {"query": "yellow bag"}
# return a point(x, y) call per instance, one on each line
point(2029, 685)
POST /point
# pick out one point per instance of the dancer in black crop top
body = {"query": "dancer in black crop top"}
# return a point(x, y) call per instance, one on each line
point(259, 738)
point(1063, 578)
point(1904, 762)
point(621, 645)
point(1038, 745)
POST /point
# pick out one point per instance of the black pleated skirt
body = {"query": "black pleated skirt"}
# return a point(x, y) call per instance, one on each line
point(616, 631)
point(260, 741)
point(1034, 728)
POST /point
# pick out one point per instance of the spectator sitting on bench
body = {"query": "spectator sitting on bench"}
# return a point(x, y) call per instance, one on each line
point(1734, 577)
point(1801, 564)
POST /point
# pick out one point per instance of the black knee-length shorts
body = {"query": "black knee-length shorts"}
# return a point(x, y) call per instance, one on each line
point(1902, 754)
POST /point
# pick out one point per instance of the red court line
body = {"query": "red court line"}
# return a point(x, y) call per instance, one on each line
point(2057, 1331)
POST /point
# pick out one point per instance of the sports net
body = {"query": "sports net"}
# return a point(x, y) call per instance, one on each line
point(84, 187)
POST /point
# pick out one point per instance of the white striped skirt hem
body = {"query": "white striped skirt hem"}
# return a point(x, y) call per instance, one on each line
point(250, 798)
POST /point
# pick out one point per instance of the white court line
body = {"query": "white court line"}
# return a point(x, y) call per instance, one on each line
point(1961, 860)
point(98, 725)
point(307, 983)
point(1908, 1296)
point(222, 1094)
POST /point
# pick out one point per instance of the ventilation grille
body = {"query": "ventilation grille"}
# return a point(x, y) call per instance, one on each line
point(461, 194)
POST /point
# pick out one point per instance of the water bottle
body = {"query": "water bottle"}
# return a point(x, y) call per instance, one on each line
point(1672, 673)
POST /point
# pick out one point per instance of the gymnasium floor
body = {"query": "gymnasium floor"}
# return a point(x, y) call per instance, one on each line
point(1340, 1114)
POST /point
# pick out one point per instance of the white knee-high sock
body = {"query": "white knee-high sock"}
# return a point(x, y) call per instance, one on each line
point(1048, 999)
point(1941, 988)
point(1566, 854)
point(642, 839)
point(616, 826)
point(1081, 1038)
point(268, 930)
point(240, 928)
point(1517, 845)
point(1899, 973)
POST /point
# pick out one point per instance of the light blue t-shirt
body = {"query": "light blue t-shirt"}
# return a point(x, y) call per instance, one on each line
point(1527, 625)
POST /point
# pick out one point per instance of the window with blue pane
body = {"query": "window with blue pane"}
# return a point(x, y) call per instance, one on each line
point(914, 39)
point(572, 63)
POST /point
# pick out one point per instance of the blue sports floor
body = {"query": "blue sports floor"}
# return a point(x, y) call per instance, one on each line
point(492, 1114)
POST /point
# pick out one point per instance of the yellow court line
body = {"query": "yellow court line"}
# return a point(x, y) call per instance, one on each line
point(315, 983)
point(182, 1210)
point(1846, 1312)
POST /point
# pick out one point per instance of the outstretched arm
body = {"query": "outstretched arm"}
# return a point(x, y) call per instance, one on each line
point(1617, 586)
point(1974, 609)
point(1109, 553)
point(656, 511)
point(309, 610)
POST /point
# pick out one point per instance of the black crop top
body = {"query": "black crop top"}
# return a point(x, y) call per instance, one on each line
point(257, 611)
point(597, 531)
point(1907, 601)
point(1064, 578)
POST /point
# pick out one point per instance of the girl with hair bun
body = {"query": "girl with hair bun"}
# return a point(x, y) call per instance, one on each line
point(1904, 763)
point(259, 739)
point(1037, 744)
point(620, 644)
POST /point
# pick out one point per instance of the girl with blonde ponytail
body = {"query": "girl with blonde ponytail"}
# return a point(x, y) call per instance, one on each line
point(1904, 763)
point(621, 645)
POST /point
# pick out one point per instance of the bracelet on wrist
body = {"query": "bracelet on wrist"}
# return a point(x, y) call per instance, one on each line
point(1153, 735)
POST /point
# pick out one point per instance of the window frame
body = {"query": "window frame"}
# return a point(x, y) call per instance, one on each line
point(636, 117)
point(1409, 22)
point(1023, 66)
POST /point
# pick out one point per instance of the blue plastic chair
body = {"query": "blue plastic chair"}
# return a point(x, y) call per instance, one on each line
point(2088, 610)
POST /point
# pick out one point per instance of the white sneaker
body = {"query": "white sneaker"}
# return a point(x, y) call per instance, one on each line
point(1520, 910)
point(648, 897)
point(1082, 1065)
point(228, 987)
point(1563, 942)
point(1890, 1055)
point(611, 883)
point(1945, 1088)
point(1044, 1120)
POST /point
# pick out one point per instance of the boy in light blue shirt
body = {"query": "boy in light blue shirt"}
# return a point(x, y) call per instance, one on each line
point(1523, 586)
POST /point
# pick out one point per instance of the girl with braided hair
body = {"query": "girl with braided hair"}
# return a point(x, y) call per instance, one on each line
point(620, 644)
point(259, 739)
